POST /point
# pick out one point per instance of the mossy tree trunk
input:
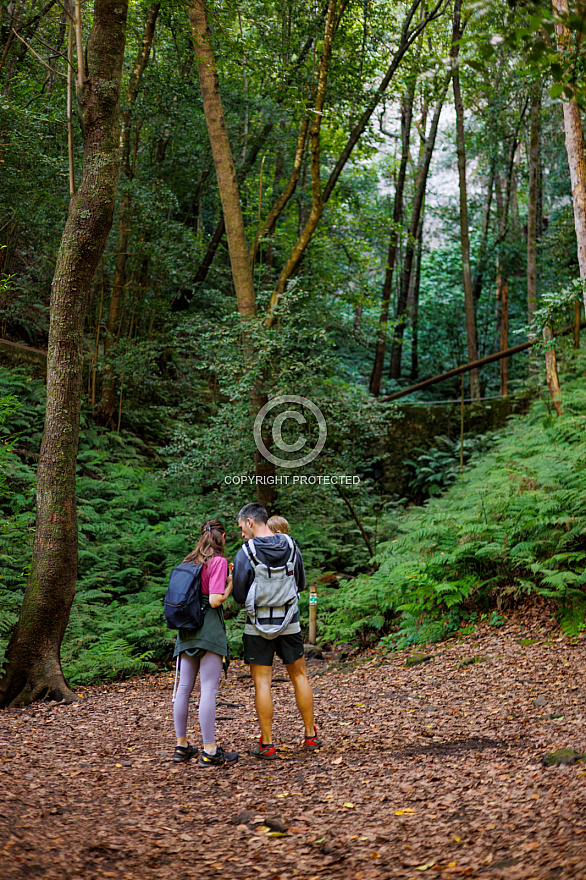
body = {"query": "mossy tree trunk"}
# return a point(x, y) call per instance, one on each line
point(33, 654)
point(107, 406)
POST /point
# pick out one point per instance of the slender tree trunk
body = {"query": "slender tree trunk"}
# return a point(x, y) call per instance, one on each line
point(481, 261)
point(69, 104)
point(245, 167)
point(409, 35)
point(551, 369)
point(532, 215)
point(223, 161)
point(381, 341)
point(216, 239)
point(334, 15)
point(410, 247)
point(232, 211)
point(414, 308)
point(33, 654)
point(574, 148)
point(464, 226)
point(504, 294)
point(515, 222)
point(577, 323)
point(107, 406)
point(504, 208)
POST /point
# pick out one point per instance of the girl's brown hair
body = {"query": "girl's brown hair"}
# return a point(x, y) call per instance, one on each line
point(211, 542)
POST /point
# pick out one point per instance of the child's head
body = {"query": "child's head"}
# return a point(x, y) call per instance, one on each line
point(278, 524)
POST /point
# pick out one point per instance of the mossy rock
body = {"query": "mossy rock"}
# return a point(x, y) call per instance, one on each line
point(470, 661)
point(416, 659)
point(562, 756)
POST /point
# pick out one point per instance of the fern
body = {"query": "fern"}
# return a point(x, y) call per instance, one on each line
point(515, 525)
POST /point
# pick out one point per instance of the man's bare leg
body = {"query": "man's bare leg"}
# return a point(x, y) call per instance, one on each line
point(262, 677)
point(303, 693)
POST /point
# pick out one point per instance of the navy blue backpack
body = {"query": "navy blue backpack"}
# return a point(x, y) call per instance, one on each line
point(183, 600)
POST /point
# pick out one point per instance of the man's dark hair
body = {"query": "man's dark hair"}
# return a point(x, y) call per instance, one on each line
point(253, 511)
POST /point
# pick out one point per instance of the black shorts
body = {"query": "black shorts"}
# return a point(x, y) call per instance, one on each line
point(262, 651)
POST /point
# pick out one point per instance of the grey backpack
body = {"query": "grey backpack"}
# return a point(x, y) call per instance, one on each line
point(271, 601)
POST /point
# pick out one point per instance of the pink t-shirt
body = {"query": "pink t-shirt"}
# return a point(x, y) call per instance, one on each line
point(213, 576)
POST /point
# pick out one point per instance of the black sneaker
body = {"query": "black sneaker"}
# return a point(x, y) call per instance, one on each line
point(221, 757)
point(184, 753)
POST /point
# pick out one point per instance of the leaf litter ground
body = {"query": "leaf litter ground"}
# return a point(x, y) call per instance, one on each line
point(427, 769)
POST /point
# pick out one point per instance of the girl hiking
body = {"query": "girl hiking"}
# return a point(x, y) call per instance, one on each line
point(204, 650)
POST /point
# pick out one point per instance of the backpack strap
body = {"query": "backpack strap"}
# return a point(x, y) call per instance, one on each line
point(248, 548)
point(291, 560)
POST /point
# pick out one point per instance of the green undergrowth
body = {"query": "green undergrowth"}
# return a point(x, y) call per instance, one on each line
point(130, 535)
point(135, 524)
point(513, 526)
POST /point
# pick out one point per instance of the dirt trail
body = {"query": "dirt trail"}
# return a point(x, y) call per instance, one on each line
point(431, 769)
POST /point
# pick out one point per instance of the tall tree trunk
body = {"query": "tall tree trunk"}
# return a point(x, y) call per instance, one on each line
point(336, 9)
point(503, 286)
point(33, 654)
point(574, 148)
point(230, 197)
point(245, 167)
point(532, 215)
point(409, 35)
point(107, 406)
point(381, 341)
point(410, 247)
point(504, 208)
point(481, 261)
point(464, 227)
point(577, 323)
point(515, 222)
point(223, 160)
point(413, 306)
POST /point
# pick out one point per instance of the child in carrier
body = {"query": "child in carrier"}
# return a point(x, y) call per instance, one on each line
point(278, 525)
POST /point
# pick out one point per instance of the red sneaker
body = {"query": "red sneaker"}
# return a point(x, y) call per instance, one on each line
point(312, 742)
point(263, 751)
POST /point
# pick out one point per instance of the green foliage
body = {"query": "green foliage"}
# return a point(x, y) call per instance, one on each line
point(556, 309)
point(8, 405)
point(177, 353)
point(137, 520)
point(513, 526)
point(433, 470)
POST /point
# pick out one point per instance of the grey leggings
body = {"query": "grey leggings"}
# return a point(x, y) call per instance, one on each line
point(210, 667)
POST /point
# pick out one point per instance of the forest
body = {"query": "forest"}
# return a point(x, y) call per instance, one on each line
point(214, 211)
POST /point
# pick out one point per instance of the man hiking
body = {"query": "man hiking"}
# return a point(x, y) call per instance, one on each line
point(268, 573)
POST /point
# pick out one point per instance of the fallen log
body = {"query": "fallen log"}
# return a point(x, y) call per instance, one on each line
point(508, 352)
point(17, 349)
